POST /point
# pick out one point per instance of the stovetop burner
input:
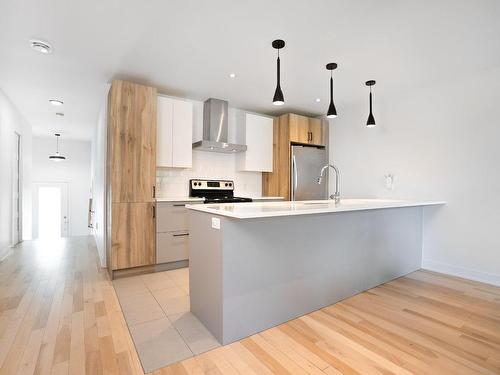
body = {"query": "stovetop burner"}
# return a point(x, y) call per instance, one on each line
point(215, 191)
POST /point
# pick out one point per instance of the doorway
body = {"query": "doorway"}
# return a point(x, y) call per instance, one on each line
point(16, 191)
point(50, 210)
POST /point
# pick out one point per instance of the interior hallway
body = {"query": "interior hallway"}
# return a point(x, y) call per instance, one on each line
point(60, 315)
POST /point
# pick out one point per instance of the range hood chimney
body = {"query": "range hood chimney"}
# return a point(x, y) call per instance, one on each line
point(215, 129)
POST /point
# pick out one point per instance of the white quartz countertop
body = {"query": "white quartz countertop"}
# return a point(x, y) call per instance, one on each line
point(287, 208)
point(179, 199)
point(194, 199)
point(266, 198)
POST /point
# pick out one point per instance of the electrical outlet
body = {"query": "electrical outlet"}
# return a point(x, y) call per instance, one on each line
point(215, 223)
point(389, 181)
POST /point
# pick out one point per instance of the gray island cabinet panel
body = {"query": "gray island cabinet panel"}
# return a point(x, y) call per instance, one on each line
point(253, 274)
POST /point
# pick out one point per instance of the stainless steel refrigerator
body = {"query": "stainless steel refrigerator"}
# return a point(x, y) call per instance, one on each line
point(305, 164)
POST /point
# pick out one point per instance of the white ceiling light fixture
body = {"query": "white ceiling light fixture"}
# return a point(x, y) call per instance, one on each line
point(232, 75)
point(57, 156)
point(41, 46)
point(56, 102)
point(318, 100)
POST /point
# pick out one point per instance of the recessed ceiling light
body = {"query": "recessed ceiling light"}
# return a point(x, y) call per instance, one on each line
point(56, 102)
point(59, 114)
point(318, 100)
point(232, 75)
point(41, 46)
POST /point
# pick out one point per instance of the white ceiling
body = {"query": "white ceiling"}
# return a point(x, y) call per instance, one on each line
point(188, 48)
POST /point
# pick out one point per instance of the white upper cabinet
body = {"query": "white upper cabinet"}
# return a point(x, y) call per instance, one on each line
point(174, 133)
point(164, 132)
point(257, 133)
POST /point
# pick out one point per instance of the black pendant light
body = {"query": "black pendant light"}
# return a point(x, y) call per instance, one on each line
point(332, 111)
point(371, 120)
point(57, 156)
point(278, 98)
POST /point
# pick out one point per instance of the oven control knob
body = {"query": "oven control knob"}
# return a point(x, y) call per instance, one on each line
point(226, 184)
point(230, 184)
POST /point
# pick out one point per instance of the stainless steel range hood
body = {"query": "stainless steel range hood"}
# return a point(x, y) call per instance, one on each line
point(215, 129)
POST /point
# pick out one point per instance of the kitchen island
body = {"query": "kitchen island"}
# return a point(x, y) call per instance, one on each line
point(256, 265)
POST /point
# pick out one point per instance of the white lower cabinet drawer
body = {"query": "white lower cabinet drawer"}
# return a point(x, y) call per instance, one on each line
point(172, 246)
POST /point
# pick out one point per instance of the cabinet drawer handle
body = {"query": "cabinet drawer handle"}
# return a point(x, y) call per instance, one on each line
point(180, 205)
point(180, 234)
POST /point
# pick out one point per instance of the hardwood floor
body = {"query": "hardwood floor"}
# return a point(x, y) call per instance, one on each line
point(60, 315)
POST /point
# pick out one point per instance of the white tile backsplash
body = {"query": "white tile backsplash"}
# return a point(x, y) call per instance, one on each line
point(174, 182)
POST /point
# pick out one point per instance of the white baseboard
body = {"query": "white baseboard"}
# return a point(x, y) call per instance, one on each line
point(466, 273)
point(5, 253)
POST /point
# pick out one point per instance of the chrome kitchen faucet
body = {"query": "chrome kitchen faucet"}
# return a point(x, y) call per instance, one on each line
point(335, 196)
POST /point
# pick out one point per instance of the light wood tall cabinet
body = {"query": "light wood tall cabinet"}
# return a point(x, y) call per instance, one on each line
point(131, 175)
point(289, 129)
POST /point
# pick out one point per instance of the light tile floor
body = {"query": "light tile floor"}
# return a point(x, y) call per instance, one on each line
point(156, 308)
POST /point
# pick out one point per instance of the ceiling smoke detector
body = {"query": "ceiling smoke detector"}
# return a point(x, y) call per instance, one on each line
point(41, 46)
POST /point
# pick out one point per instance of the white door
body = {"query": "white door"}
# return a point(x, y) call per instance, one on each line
point(50, 210)
point(16, 191)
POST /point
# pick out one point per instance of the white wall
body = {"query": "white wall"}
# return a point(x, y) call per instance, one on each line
point(75, 170)
point(174, 182)
point(12, 121)
point(441, 143)
point(98, 176)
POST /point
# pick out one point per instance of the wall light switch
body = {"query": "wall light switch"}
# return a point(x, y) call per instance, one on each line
point(215, 223)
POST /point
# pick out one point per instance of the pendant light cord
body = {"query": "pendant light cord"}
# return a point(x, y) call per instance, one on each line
point(331, 88)
point(278, 75)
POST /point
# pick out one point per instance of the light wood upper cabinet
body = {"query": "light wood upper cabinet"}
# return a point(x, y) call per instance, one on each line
point(257, 135)
point(316, 132)
point(175, 133)
point(305, 130)
point(299, 128)
point(133, 235)
point(131, 142)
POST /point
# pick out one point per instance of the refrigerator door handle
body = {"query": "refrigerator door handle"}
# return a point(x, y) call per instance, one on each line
point(294, 177)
